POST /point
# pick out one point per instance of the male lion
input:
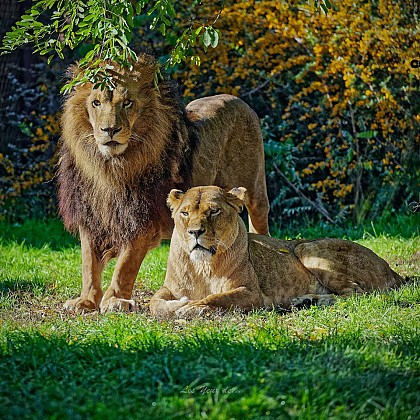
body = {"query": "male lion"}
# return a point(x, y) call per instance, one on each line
point(123, 150)
point(213, 262)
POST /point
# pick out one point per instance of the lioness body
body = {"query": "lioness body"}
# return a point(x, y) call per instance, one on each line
point(213, 262)
point(122, 151)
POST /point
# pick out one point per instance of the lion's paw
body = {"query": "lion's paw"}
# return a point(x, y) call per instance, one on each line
point(308, 300)
point(80, 305)
point(192, 310)
point(174, 305)
point(114, 304)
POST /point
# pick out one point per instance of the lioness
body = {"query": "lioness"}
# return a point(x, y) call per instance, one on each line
point(123, 150)
point(213, 262)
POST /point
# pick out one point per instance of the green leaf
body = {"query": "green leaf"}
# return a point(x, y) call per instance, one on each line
point(350, 154)
point(206, 38)
point(367, 134)
point(162, 28)
point(215, 38)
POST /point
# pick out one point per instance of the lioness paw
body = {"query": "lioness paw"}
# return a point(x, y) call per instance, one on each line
point(80, 305)
point(114, 304)
point(174, 305)
point(192, 310)
point(307, 300)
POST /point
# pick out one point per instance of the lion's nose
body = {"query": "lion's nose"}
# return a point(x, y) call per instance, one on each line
point(196, 232)
point(111, 131)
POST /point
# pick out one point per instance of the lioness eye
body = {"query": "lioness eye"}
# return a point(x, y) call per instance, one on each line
point(184, 213)
point(96, 103)
point(213, 212)
point(127, 103)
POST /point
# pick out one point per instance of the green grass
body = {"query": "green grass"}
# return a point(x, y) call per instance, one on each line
point(355, 360)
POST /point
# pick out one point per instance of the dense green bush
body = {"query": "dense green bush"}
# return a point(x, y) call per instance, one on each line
point(27, 166)
point(338, 101)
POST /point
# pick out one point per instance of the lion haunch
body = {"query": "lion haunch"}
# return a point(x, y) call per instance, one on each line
point(214, 263)
point(121, 153)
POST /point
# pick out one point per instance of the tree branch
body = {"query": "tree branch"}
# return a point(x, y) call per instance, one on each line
point(303, 196)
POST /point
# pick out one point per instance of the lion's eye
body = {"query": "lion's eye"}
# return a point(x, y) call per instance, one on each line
point(214, 212)
point(184, 213)
point(96, 103)
point(127, 103)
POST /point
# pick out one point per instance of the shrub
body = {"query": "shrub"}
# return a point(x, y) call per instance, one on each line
point(27, 167)
point(338, 97)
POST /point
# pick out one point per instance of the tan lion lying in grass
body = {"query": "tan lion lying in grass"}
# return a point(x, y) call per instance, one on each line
point(214, 263)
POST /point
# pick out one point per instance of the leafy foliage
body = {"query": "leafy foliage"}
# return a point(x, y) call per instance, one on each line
point(27, 167)
point(108, 25)
point(339, 99)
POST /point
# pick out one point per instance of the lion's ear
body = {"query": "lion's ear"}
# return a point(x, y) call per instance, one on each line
point(238, 198)
point(174, 198)
point(73, 71)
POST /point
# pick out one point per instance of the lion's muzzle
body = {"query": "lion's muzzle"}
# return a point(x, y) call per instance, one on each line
point(212, 249)
point(111, 131)
point(111, 148)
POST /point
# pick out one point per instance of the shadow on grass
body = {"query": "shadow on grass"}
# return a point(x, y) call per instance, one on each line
point(22, 285)
point(197, 376)
point(404, 226)
point(37, 234)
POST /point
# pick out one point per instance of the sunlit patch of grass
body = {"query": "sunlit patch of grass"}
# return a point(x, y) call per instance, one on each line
point(356, 359)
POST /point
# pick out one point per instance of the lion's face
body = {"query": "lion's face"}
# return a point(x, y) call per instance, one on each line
point(206, 219)
point(112, 126)
point(112, 115)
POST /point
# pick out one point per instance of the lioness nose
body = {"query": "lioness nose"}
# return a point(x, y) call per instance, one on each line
point(111, 131)
point(196, 232)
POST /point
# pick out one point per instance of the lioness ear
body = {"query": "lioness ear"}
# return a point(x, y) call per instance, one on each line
point(174, 198)
point(237, 197)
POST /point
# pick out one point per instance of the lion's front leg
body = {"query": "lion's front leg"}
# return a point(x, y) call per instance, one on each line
point(240, 297)
point(92, 268)
point(118, 295)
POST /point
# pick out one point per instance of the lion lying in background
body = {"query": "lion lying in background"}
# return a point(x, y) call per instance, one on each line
point(214, 263)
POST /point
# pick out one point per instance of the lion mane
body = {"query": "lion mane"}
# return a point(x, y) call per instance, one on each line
point(115, 200)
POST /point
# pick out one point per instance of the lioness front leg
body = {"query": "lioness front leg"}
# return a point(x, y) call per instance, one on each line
point(118, 295)
point(241, 298)
point(164, 303)
point(92, 268)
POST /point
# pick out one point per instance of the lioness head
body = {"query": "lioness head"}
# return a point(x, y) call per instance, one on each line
point(206, 219)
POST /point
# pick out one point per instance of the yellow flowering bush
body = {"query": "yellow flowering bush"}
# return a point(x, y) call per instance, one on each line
point(26, 174)
point(338, 101)
point(337, 96)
